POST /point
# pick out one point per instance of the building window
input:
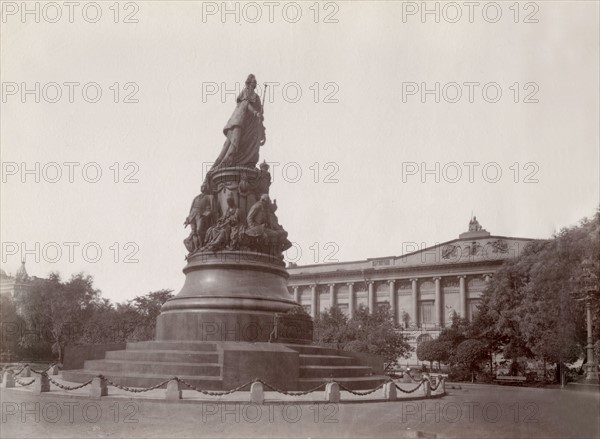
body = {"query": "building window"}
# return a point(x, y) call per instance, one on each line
point(426, 313)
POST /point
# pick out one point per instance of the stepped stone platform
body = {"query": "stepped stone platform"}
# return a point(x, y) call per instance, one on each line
point(226, 365)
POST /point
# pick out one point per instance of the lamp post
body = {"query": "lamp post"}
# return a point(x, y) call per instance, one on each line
point(589, 284)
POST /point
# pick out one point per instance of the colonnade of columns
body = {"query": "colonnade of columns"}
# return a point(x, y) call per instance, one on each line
point(391, 297)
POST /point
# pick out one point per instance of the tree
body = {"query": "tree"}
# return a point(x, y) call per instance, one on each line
point(470, 354)
point(57, 313)
point(331, 328)
point(57, 310)
point(374, 333)
point(425, 352)
point(483, 329)
point(529, 307)
point(148, 308)
point(442, 351)
point(456, 333)
point(434, 350)
point(134, 320)
point(12, 326)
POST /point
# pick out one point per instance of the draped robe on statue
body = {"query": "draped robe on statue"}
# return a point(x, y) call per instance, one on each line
point(245, 133)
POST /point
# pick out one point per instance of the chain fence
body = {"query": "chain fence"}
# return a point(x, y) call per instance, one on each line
point(285, 392)
point(62, 386)
point(409, 391)
point(24, 384)
point(209, 393)
point(44, 373)
point(26, 365)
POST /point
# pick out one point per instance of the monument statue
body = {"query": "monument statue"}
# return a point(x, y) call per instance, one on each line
point(234, 319)
point(244, 132)
point(474, 225)
point(452, 315)
point(235, 273)
point(200, 218)
point(236, 192)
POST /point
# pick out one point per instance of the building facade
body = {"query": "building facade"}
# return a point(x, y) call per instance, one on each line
point(16, 287)
point(425, 289)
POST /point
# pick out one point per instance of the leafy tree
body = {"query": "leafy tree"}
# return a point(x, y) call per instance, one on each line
point(442, 351)
point(57, 313)
point(483, 329)
point(530, 305)
point(435, 350)
point(470, 354)
point(11, 327)
point(374, 333)
point(456, 333)
point(332, 329)
point(425, 352)
point(148, 308)
point(134, 320)
point(57, 310)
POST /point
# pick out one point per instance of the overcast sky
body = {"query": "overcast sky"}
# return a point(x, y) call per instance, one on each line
point(360, 120)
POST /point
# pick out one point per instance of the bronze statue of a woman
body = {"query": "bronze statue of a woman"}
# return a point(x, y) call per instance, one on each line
point(244, 131)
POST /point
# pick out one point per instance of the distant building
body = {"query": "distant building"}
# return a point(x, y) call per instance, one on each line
point(424, 289)
point(17, 287)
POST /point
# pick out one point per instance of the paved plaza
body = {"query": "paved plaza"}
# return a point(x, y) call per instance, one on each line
point(473, 411)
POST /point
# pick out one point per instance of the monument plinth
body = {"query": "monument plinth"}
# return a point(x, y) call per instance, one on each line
point(234, 319)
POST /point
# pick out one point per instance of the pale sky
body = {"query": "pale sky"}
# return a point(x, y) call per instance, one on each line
point(371, 135)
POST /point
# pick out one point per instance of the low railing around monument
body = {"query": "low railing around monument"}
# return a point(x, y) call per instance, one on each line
point(174, 386)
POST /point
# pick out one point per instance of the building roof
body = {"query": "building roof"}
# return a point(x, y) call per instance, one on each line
point(474, 246)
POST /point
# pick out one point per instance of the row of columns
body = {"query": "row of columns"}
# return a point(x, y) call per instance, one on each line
point(438, 303)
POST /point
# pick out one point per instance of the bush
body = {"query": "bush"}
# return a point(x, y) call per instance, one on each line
point(532, 377)
point(459, 374)
point(486, 377)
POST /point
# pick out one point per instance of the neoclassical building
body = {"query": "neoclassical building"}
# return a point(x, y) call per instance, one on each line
point(423, 288)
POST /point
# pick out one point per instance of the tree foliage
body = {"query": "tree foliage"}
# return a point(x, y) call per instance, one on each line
point(374, 333)
point(435, 350)
point(530, 308)
point(470, 354)
point(56, 313)
point(56, 310)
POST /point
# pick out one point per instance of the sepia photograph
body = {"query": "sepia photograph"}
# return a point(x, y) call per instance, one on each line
point(300, 219)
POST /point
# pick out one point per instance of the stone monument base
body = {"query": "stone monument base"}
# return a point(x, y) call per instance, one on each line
point(227, 296)
point(226, 365)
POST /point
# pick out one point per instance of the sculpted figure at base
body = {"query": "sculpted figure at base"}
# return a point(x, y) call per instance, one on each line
point(244, 131)
point(201, 217)
point(264, 227)
point(225, 234)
